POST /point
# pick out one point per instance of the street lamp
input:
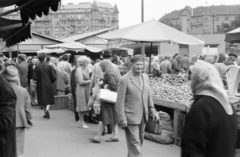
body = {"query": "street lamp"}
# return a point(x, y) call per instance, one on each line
point(142, 11)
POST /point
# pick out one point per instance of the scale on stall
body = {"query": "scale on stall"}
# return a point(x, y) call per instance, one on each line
point(233, 79)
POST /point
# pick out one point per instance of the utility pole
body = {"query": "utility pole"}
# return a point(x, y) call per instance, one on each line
point(142, 11)
point(213, 16)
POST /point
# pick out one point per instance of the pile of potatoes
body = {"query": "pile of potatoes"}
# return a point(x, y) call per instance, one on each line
point(171, 87)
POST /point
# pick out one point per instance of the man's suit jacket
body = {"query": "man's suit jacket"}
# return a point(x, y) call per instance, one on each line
point(134, 103)
point(23, 105)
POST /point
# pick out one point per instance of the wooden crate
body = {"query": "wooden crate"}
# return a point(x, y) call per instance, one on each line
point(61, 102)
point(180, 111)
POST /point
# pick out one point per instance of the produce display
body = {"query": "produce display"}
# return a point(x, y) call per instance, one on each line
point(171, 87)
point(176, 88)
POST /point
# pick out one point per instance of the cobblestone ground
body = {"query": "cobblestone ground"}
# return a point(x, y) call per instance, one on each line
point(60, 137)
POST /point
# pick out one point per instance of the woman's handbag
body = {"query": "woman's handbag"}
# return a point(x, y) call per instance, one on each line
point(108, 96)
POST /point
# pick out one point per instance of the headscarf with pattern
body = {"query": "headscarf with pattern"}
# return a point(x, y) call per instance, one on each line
point(205, 80)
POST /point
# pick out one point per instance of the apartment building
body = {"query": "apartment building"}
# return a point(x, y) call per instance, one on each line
point(73, 19)
point(203, 19)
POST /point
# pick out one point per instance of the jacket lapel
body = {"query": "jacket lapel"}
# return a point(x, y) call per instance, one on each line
point(134, 82)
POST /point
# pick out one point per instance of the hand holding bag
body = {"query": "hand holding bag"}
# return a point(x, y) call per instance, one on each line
point(108, 96)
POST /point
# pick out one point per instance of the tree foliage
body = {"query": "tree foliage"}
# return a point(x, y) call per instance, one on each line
point(168, 22)
point(226, 27)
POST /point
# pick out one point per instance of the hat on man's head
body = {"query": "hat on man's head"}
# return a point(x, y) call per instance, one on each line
point(11, 74)
point(107, 53)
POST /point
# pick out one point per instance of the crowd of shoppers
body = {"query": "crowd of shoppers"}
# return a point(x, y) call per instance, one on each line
point(35, 81)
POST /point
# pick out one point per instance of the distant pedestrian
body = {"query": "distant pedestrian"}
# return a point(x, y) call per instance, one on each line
point(63, 79)
point(166, 65)
point(82, 89)
point(176, 67)
point(231, 60)
point(211, 125)
point(184, 62)
point(45, 75)
point(7, 119)
point(108, 112)
point(32, 84)
point(134, 103)
point(68, 66)
point(22, 67)
point(23, 107)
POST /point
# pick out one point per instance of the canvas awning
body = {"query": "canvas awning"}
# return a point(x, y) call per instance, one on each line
point(75, 46)
point(49, 51)
point(14, 31)
point(31, 8)
point(233, 36)
point(152, 31)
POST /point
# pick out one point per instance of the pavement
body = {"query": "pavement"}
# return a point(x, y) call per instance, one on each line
point(60, 137)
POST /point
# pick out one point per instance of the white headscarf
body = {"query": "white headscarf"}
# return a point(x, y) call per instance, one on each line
point(206, 80)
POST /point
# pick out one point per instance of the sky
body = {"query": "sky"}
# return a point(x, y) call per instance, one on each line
point(130, 10)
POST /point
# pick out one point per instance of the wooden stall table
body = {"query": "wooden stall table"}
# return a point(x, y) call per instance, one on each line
point(180, 110)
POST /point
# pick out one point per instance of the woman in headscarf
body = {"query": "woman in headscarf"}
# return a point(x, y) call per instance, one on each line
point(211, 126)
point(108, 112)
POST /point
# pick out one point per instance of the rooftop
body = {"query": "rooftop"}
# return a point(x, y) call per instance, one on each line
point(85, 35)
point(202, 10)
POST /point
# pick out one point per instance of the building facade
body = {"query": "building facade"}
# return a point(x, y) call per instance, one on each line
point(200, 20)
point(74, 19)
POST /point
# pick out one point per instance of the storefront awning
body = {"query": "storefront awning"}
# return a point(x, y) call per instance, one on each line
point(32, 8)
point(14, 31)
point(233, 36)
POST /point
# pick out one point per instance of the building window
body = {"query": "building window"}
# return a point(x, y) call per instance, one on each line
point(206, 19)
point(47, 32)
point(79, 22)
point(64, 22)
point(63, 29)
point(226, 18)
point(56, 23)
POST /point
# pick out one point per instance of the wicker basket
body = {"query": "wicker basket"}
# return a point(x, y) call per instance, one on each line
point(61, 102)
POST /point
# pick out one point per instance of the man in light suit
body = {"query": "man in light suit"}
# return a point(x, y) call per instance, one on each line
point(134, 103)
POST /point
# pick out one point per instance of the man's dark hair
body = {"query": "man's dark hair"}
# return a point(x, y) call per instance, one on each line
point(22, 57)
point(65, 57)
point(41, 56)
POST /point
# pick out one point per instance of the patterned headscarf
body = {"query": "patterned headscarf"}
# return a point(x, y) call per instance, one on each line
point(205, 80)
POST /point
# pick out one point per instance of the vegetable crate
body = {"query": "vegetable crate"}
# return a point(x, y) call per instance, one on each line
point(61, 102)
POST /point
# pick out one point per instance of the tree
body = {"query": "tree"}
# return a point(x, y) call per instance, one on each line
point(226, 27)
point(168, 22)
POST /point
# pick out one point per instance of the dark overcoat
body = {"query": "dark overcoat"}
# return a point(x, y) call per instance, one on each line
point(7, 119)
point(209, 131)
point(45, 75)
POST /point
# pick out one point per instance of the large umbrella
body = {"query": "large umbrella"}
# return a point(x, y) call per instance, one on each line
point(75, 46)
point(233, 36)
point(152, 31)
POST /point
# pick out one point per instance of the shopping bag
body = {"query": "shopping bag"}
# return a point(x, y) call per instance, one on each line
point(108, 96)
